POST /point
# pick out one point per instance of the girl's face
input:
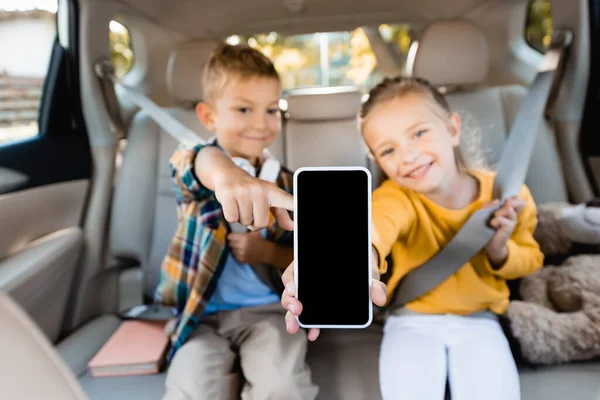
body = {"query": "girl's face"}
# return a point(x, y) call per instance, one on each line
point(414, 142)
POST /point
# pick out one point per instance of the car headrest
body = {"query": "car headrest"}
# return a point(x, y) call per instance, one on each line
point(323, 103)
point(184, 71)
point(452, 52)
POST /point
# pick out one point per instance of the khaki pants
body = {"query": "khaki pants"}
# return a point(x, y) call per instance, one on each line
point(247, 350)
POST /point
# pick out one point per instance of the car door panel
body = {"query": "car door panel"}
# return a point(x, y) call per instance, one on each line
point(44, 188)
point(39, 277)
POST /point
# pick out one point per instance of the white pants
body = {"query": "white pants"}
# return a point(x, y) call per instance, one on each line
point(419, 352)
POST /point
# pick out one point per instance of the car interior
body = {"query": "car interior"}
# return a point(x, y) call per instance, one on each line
point(87, 209)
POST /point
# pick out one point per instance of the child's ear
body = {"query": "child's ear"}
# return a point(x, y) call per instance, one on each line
point(206, 115)
point(455, 128)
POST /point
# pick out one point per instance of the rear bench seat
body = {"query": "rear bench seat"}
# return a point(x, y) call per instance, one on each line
point(143, 221)
point(344, 363)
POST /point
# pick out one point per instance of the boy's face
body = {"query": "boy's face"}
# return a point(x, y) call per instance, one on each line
point(245, 116)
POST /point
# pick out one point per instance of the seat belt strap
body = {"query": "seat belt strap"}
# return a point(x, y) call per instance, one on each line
point(106, 73)
point(516, 156)
point(510, 176)
point(170, 124)
point(111, 101)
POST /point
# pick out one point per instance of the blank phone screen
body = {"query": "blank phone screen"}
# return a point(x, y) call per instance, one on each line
point(333, 246)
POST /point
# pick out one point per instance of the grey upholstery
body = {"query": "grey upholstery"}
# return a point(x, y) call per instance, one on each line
point(31, 367)
point(332, 358)
point(38, 277)
point(80, 347)
point(321, 128)
point(143, 387)
point(344, 365)
point(570, 381)
point(184, 71)
point(488, 111)
point(143, 224)
point(458, 45)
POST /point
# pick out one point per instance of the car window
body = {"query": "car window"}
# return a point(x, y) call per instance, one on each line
point(27, 34)
point(328, 58)
point(121, 49)
point(538, 29)
point(400, 37)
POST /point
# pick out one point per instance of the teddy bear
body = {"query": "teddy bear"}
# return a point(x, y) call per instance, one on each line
point(554, 314)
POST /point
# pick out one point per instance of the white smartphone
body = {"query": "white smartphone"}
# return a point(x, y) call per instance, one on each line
point(332, 246)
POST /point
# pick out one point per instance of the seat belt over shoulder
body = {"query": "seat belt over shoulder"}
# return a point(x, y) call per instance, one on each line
point(105, 72)
point(510, 177)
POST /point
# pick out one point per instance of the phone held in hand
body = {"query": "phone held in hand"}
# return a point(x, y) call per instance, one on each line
point(332, 246)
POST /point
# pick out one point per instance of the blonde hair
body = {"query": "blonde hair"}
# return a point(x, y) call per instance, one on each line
point(467, 154)
point(227, 62)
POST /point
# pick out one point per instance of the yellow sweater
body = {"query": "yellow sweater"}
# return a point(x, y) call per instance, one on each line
point(414, 228)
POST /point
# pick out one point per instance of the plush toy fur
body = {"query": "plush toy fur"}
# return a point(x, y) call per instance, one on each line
point(557, 318)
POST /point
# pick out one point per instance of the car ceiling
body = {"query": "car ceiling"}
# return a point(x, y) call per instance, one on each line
point(203, 18)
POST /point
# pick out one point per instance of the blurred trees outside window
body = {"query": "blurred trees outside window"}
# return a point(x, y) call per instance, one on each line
point(538, 29)
point(27, 36)
point(326, 58)
point(121, 51)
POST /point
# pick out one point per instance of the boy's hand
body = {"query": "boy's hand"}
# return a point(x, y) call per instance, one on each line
point(244, 199)
point(247, 200)
point(248, 248)
point(294, 307)
point(504, 222)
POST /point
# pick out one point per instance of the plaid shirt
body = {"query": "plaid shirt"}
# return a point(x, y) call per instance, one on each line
point(198, 250)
